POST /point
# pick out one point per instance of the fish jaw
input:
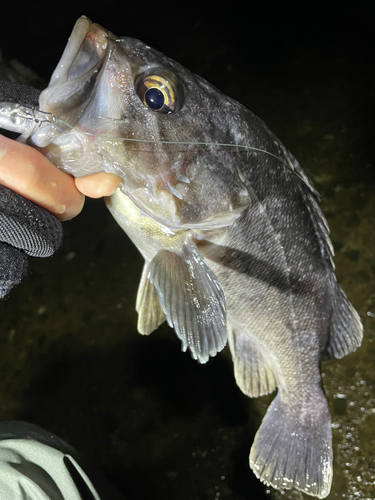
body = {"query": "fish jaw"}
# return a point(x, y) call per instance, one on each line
point(76, 76)
point(72, 48)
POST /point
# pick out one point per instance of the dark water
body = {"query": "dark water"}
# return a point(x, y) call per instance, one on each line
point(158, 424)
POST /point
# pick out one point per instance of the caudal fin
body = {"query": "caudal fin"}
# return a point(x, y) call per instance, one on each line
point(293, 447)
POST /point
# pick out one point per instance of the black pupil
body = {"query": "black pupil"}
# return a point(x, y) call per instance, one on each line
point(154, 98)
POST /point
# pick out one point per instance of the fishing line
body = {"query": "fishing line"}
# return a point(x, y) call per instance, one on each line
point(41, 117)
point(185, 143)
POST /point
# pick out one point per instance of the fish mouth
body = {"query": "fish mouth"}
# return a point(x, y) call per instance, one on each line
point(74, 80)
point(83, 53)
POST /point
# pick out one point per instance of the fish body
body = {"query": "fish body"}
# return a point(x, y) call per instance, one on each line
point(234, 241)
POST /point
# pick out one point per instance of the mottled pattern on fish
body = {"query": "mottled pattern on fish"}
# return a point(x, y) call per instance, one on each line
point(234, 241)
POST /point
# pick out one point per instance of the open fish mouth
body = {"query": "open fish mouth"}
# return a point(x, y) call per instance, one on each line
point(74, 80)
point(85, 48)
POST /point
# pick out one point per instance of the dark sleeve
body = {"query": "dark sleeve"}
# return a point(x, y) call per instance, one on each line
point(25, 228)
point(15, 92)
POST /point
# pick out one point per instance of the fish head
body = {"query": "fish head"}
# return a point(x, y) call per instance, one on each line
point(125, 108)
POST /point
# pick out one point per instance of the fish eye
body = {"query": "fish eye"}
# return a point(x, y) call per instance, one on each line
point(159, 90)
point(154, 98)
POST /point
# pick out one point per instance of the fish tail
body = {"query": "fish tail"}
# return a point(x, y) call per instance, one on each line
point(293, 446)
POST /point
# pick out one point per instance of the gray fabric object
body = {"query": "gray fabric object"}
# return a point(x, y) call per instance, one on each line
point(15, 92)
point(37, 465)
point(13, 267)
point(25, 228)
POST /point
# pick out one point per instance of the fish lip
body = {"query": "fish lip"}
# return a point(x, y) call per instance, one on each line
point(71, 50)
point(83, 30)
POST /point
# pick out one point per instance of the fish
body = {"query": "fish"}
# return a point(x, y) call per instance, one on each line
point(236, 247)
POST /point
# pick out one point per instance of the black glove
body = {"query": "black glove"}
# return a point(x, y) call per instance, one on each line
point(25, 228)
point(15, 92)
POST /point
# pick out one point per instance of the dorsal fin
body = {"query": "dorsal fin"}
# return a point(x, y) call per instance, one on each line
point(311, 199)
point(345, 328)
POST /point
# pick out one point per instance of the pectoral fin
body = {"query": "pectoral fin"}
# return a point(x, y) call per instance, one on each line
point(192, 300)
point(148, 307)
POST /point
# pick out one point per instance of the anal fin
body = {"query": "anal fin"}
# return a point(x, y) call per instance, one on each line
point(192, 300)
point(150, 312)
point(253, 369)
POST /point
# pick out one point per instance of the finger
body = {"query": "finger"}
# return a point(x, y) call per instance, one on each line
point(98, 185)
point(26, 171)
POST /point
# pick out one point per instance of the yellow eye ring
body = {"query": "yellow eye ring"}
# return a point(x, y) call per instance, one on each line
point(159, 90)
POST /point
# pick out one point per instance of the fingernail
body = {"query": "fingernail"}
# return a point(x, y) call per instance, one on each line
point(114, 189)
point(60, 209)
point(64, 212)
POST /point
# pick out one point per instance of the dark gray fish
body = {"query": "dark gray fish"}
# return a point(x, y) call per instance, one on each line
point(234, 241)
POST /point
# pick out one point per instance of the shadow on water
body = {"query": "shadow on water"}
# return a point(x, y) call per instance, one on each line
point(125, 402)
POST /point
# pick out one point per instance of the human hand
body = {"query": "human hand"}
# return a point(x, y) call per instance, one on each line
point(26, 171)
